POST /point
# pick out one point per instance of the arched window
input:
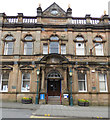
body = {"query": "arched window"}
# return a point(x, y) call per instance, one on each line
point(54, 44)
point(28, 45)
point(80, 47)
point(8, 47)
point(98, 46)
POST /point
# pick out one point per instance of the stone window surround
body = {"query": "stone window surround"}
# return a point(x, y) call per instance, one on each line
point(85, 80)
point(25, 71)
point(4, 41)
point(105, 80)
point(47, 42)
point(100, 42)
point(4, 71)
point(80, 41)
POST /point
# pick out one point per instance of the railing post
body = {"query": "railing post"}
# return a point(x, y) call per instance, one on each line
point(88, 19)
point(20, 17)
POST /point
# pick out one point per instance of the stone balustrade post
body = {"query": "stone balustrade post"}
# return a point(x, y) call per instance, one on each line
point(88, 19)
point(20, 17)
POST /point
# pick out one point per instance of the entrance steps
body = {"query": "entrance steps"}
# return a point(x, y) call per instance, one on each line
point(54, 100)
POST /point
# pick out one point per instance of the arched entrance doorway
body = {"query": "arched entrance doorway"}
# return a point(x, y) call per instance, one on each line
point(54, 83)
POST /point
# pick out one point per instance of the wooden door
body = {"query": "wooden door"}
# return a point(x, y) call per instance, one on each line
point(53, 87)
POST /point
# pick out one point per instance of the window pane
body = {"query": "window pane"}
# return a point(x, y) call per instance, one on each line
point(82, 86)
point(79, 38)
point(81, 76)
point(10, 51)
point(25, 82)
point(4, 82)
point(98, 39)
point(29, 44)
point(28, 48)
point(26, 76)
point(99, 49)
point(54, 47)
point(5, 76)
point(82, 81)
point(29, 37)
point(54, 38)
point(9, 38)
point(63, 49)
point(29, 51)
point(45, 49)
point(8, 48)
point(102, 86)
point(80, 49)
point(102, 82)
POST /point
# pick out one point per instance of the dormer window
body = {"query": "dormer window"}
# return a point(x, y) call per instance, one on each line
point(54, 12)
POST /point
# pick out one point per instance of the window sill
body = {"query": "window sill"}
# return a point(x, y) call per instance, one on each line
point(82, 91)
point(103, 91)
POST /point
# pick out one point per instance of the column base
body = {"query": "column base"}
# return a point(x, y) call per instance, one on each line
point(42, 101)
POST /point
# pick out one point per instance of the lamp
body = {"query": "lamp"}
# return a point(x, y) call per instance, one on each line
point(71, 97)
point(93, 48)
point(38, 71)
point(70, 72)
point(37, 86)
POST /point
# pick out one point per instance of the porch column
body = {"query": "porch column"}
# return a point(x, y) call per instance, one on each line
point(43, 80)
point(65, 80)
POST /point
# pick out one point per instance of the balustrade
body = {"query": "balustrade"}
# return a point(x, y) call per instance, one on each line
point(33, 20)
point(29, 20)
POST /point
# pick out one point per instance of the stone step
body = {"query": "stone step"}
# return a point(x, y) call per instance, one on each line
point(54, 98)
point(54, 102)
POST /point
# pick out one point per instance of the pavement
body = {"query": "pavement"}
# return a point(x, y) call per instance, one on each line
point(61, 110)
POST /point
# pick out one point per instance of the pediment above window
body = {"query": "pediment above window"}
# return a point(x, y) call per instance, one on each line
point(54, 59)
point(54, 10)
point(82, 68)
point(6, 67)
point(26, 67)
point(103, 68)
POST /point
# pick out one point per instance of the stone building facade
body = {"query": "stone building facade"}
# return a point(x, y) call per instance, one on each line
point(55, 43)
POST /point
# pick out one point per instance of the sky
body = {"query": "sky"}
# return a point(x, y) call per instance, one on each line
point(79, 7)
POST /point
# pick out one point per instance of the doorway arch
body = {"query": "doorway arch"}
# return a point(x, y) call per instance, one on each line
point(54, 83)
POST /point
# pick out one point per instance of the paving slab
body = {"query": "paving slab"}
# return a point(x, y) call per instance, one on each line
point(61, 110)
